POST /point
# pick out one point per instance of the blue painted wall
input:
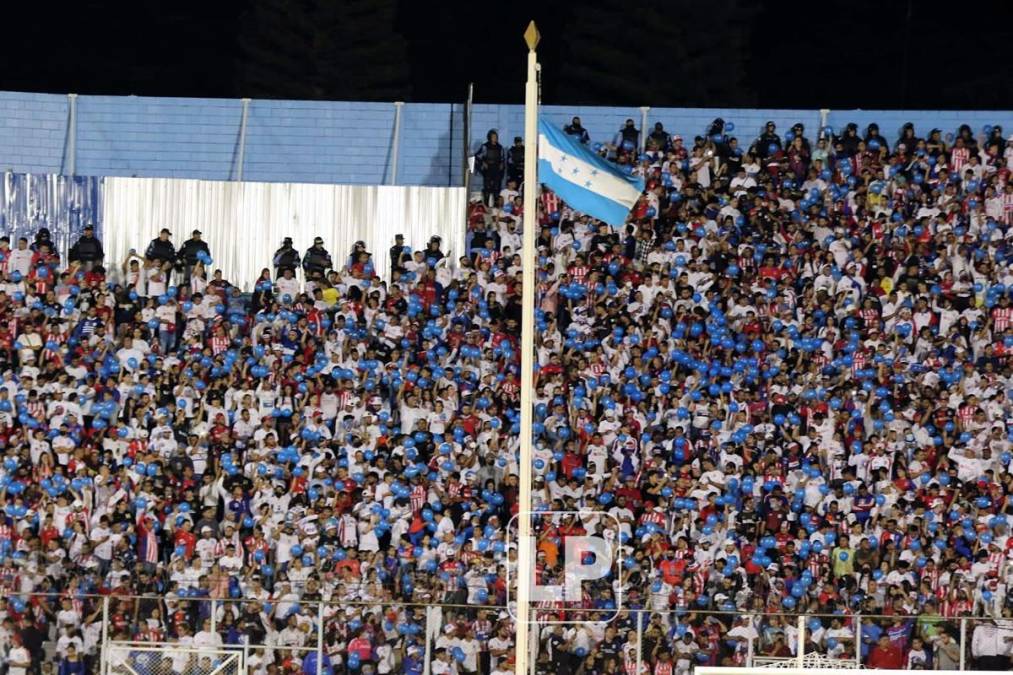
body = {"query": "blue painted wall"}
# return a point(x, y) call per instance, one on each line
point(318, 142)
point(164, 137)
point(33, 132)
point(340, 142)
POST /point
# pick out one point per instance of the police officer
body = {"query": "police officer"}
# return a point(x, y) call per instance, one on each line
point(576, 129)
point(316, 260)
point(398, 254)
point(768, 143)
point(515, 161)
point(161, 250)
point(190, 254)
point(629, 136)
point(491, 161)
point(87, 250)
point(286, 258)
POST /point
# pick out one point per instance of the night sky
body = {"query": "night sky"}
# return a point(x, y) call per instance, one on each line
point(795, 53)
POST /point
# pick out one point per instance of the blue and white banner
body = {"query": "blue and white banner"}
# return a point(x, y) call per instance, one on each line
point(582, 179)
point(64, 204)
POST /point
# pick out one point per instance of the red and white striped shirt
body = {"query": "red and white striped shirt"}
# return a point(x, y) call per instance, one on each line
point(958, 158)
point(510, 388)
point(550, 202)
point(995, 561)
point(578, 272)
point(653, 517)
point(8, 577)
point(418, 499)
point(859, 363)
point(870, 316)
point(1001, 318)
point(966, 413)
point(219, 344)
point(956, 607)
point(932, 577)
point(1007, 208)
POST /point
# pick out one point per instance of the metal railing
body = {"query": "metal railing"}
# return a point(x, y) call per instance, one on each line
point(295, 628)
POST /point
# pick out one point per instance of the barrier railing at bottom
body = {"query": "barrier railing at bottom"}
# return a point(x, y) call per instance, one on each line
point(319, 637)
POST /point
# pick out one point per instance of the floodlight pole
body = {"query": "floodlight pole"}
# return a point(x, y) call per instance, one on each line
point(525, 559)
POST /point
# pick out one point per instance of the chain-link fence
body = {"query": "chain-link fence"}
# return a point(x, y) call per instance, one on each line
point(138, 658)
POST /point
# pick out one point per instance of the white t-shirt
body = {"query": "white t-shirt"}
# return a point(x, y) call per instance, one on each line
point(156, 282)
point(103, 550)
point(496, 644)
point(289, 287)
point(18, 655)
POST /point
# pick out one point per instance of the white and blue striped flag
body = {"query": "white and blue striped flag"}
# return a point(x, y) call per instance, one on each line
point(582, 179)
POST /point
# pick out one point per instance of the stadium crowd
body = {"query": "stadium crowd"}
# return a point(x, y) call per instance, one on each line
point(786, 379)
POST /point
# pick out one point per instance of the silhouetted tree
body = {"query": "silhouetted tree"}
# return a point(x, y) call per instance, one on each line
point(335, 49)
point(675, 53)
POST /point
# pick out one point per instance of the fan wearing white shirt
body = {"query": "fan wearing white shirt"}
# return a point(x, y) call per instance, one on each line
point(18, 659)
point(207, 638)
point(288, 285)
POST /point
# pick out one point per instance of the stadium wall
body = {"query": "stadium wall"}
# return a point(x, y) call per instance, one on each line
point(338, 141)
point(242, 221)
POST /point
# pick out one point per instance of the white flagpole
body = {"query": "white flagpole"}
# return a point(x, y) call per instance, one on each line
point(525, 559)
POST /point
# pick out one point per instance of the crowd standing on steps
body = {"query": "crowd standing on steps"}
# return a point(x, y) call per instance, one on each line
point(787, 378)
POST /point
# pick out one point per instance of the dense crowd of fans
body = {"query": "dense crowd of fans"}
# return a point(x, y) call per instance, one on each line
point(786, 379)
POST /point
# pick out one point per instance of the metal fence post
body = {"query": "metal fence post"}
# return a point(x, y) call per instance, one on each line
point(643, 139)
point(466, 117)
point(214, 616)
point(395, 142)
point(750, 643)
point(428, 632)
point(824, 115)
point(640, 634)
point(104, 656)
point(858, 640)
point(963, 642)
point(71, 143)
point(320, 638)
point(534, 642)
point(241, 153)
point(801, 642)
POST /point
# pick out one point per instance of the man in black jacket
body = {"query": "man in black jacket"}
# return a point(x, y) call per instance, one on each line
point(491, 162)
point(629, 136)
point(87, 250)
point(43, 237)
point(577, 130)
point(398, 254)
point(33, 639)
point(190, 254)
point(769, 143)
point(286, 258)
point(515, 161)
point(162, 251)
point(317, 260)
point(660, 137)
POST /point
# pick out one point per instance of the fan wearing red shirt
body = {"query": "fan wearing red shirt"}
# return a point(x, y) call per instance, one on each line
point(184, 537)
point(672, 569)
point(468, 420)
point(571, 461)
point(886, 655)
